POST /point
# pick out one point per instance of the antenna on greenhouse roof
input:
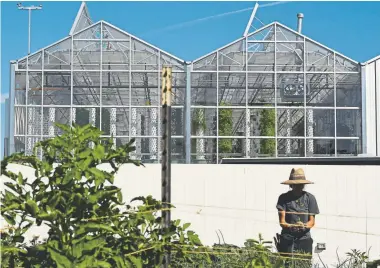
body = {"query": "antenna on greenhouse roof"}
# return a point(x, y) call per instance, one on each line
point(82, 20)
point(249, 24)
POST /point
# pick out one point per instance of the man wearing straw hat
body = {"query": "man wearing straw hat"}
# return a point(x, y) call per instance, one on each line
point(297, 209)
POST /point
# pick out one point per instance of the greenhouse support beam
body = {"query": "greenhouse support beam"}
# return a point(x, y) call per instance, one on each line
point(187, 120)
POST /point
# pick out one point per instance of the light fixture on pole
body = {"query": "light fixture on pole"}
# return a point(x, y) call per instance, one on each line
point(29, 8)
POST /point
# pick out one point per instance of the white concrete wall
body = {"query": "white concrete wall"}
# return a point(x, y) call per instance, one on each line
point(371, 107)
point(240, 201)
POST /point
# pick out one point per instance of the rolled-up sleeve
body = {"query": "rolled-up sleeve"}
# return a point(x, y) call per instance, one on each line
point(313, 205)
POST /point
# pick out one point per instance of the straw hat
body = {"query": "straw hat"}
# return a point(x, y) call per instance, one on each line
point(297, 176)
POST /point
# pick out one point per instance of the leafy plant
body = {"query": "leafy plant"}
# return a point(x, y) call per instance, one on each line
point(90, 225)
point(267, 128)
point(225, 129)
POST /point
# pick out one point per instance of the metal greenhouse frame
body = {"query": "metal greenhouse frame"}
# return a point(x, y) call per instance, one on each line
point(271, 93)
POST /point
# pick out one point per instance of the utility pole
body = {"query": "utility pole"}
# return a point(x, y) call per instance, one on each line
point(166, 152)
point(29, 9)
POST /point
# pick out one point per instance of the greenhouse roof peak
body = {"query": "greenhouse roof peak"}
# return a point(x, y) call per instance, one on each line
point(82, 20)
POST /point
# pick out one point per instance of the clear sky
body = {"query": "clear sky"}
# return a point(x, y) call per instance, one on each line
point(351, 28)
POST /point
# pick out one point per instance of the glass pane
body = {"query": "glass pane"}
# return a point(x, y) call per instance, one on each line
point(262, 122)
point(21, 64)
point(203, 151)
point(262, 147)
point(283, 34)
point(290, 90)
point(178, 153)
point(318, 58)
point(167, 61)
point(320, 148)
point(266, 34)
point(232, 58)
point(115, 121)
point(115, 90)
point(289, 57)
point(144, 57)
point(90, 33)
point(348, 90)
point(145, 89)
point(232, 148)
point(144, 121)
point(19, 144)
point(290, 123)
point(20, 88)
point(320, 90)
point(348, 123)
point(34, 120)
point(58, 56)
point(86, 88)
point(35, 61)
point(87, 55)
point(35, 88)
point(57, 88)
point(232, 89)
point(54, 115)
point(177, 122)
point(20, 121)
point(84, 115)
point(146, 150)
point(261, 89)
point(345, 65)
point(260, 56)
point(30, 144)
point(110, 32)
point(115, 55)
point(207, 63)
point(291, 147)
point(203, 89)
point(232, 122)
point(320, 123)
point(349, 147)
point(203, 122)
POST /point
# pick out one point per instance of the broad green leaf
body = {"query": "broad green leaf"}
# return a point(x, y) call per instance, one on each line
point(18, 239)
point(48, 216)
point(98, 151)
point(97, 173)
point(186, 225)
point(61, 260)
point(31, 207)
point(86, 153)
point(94, 227)
point(11, 220)
point(120, 263)
point(136, 261)
point(20, 179)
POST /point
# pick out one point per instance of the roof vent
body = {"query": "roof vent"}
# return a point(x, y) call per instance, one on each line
point(299, 24)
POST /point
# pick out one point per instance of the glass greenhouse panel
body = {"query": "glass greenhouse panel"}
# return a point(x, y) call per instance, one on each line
point(57, 88)
point(144, 121)
point(260, 56)
point(177, 150)
point(109, 32)
point(231, 122)
point(86, 88)
point(203, 89)
point(318, 59)
point(320, 123)
point(167, 61)
point(20, 121)
point(348, 90)
point(203, 151)
point(231, 148)
point(58, 56)
point(86, 55)
point(90, 33)
point(115, 89)
point(115, 121)
point(203, 122)
point(348, 123)
point(232, 89)
point(178, 88)
point(54, 115)
point(291, 147)
point(86, 115)
point(262, 122)
point(144, 57)
point(261, 89)
point(232, 58)
point(345, 65)
point(35, 61)
point(115, 55)
point(34, 120)
point(284, 34)
point(144, 89)
point(20, 88)
point(35, 88)
point(321, 90)
point(177, 125)
point(321, 147)
point(208, 63)
point(290, 122)
point(289, 57)
point(349, 147)
point(262, 148)
point(265, 34)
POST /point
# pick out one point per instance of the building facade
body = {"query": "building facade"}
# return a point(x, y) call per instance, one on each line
point(272, 93)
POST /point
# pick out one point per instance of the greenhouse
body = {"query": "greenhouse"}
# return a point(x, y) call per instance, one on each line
point(272, 93)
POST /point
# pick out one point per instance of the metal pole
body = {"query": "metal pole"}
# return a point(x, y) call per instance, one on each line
point(188, 115)
point(166, 152)
point(29, 26)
